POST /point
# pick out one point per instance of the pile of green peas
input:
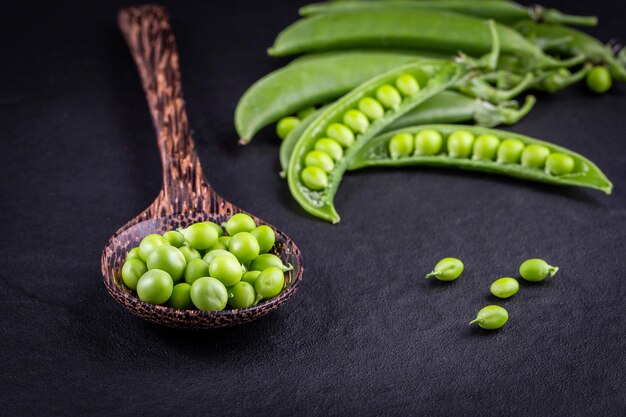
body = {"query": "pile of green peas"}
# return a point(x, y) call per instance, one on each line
point(206, 267)
point(329, 148)
point(462, 144)
point(493, 317)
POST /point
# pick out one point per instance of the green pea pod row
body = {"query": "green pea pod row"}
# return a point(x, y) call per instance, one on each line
point(309, 81)
point(571, 42)
point(313, 175)
point(445, 107)
point(481, 149)
point(426, 30)
point(503, 12)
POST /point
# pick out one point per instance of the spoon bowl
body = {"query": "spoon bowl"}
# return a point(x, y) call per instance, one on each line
point(186, 196)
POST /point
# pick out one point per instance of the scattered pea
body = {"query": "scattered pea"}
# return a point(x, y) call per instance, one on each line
point(314, 178)
point(486, 147)
point(534, 156)
point(491, 317)
point(505, 287)
point(388, 96)
point(401, 145)
point(428, 142)
point(535, 270)
point(341, 133)
point(599, 80)
point(407, 84)
point(356, 120)
point(286, 125)
point(319, 159)
point(510, 151)
point(371, 108)
point(460, 144)
point(447, 269)
point(331, 147)
point(559, 164)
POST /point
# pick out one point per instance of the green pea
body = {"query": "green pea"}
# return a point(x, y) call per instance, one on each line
point(132, 270)
point(447, 269)
point(491, 317)
point(356, 120)
point(197, 268)
point(286, 125)
point(189, 253)
point(401, 145)
point(217, 246)
point(209, 294)
point(535, 270)
point(240, 222)
point(510, 151)
point(150, 242)
point(226, 269)
point(133, 254)
point(241, 295)
point(504, 287)
point(314, 178)
point(428, 142)
point(209, 256)
point(331, 147)
point(224, 240)
point(559, 164)
point(168, 259)
point(269, 283)
point(265, 236)
point(155, 287)
point(306, 112)
point(244, 246)
point(250, 276)
point(319, 159)
point(341, 133)
point(408, 85)
point(200, 235)
point(388, 96)
point(181, 297)
point(460, 144)
point(175, 238)
point(534, 156)
point(371, 108)
point(486, 147)
point(599, 80)
point(268, 260)
point(217, 227)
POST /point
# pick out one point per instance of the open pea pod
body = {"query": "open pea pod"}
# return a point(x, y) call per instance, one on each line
point(488, 150)
point(313, 175)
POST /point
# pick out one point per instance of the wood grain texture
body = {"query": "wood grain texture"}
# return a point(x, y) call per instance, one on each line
point(186, 196)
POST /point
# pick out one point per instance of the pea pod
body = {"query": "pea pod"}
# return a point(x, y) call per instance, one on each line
point(521, 157)
point(425, 30)
point(500, 11)
point(310, 81)
point(314, 187)
point(571, 42)
point(445, 107)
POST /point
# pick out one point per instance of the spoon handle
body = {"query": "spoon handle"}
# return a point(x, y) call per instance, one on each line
point(151, 41)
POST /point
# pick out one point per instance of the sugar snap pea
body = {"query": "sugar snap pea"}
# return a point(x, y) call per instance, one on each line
point(445, 107)
point(309, 81)
point(426, 30)
point(515, 155)
point(568, 41)
point(506, 12)
point(314, 188)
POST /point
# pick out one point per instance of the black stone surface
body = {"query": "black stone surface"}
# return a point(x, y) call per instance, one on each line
point(367, 335)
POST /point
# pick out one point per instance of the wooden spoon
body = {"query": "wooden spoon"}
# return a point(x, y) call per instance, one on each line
point(186, 197)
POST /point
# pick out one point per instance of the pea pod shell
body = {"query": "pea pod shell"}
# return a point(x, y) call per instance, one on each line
point(426, 30)
point(586, 173)
point(307, 82)
point(435, 76)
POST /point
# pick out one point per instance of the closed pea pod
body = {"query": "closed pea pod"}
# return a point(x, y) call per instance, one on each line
point(584, 173)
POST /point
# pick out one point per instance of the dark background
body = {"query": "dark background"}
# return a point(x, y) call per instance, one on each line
point(366, 335)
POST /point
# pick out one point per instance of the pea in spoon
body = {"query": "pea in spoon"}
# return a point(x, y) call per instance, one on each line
point(186, 196)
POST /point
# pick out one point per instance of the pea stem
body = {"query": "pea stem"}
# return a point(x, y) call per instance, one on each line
point(554, 16)
point(476, 320)
point(552, 270)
